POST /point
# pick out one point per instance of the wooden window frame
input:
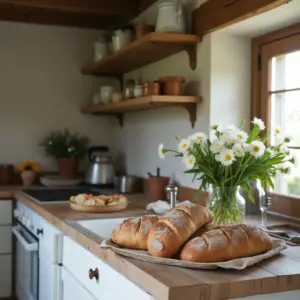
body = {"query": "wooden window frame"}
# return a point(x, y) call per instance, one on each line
point(260, 102)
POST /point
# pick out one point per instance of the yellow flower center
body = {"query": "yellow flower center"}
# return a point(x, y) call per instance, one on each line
point(190, 161)
point(239, 136)
point(199, 138)
point(227, 157)
point(184, 146)
point(277, 131)
point(256, 149)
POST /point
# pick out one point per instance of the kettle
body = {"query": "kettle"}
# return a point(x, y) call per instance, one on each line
point(100, 170)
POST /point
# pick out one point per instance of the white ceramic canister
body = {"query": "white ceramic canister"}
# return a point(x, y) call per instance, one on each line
point(121, 38)
point(171, 17)
point(100, 49)
point(106, 93)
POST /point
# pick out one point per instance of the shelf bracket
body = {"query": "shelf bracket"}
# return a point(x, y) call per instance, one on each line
point(192, 53)
point(120, 119)
point(192, 111)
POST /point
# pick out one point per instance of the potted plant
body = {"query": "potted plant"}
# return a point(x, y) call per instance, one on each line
point(28, 172)
point(231, 159)
point(68, 148)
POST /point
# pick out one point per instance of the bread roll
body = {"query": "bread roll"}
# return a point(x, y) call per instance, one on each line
point(226, 243)
point(132, 233)
point(176, 227)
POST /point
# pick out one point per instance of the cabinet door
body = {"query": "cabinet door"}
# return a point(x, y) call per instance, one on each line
point(5, 212)
point(72, 289)
point(5, 276)
point(5, 239)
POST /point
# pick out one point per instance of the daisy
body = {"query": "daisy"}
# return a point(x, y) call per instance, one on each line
point(226, 157)
point(216, 146)
point(231, 128)
point(184, 145)
point(199, 137)
point(259, 123)
point(238, 150)
point(277, 130)
point(241, 136)
point(257, 148)
point(189, 161)
point(161, 151)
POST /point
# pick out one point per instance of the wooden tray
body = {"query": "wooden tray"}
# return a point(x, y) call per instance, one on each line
point(99, 208)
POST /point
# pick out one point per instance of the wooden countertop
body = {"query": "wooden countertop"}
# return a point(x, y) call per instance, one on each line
point(278, 274)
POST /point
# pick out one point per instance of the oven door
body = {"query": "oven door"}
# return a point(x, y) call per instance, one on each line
point(27, 264)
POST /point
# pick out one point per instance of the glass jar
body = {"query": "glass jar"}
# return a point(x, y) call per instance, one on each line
point(129, 89)
point(227, 204)
point(138, 91)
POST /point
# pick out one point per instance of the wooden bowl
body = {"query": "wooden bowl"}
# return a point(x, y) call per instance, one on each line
point(99, 208)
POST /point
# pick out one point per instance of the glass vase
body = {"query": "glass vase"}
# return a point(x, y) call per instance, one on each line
point(227, 204)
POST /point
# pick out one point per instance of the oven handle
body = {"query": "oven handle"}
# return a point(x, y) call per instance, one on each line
point(30, 247)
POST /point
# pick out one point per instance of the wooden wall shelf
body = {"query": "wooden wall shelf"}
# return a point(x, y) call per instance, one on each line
point(145, 103)
point(150, 48)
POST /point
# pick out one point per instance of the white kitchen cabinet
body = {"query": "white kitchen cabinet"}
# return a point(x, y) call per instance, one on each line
point(5, 212)
point(5, 275)
point(78, 261)
point(292, 295)
point(5, 239)
point(72, 289)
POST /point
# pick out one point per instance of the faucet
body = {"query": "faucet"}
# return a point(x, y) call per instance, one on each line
point(171, 190)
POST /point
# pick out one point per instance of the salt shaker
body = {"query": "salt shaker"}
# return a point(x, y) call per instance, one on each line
point(171, 191)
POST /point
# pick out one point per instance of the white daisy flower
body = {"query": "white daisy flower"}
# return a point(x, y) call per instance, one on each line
point(241, 136)
point(227, 157)
point(184, 145)
point(216, 146)
point(161, 151)
point(277, 130)
point(189, 161)
point(257, 148)
point(199, 137)
point(231, 128)
point(259, 123)
point(238, 150)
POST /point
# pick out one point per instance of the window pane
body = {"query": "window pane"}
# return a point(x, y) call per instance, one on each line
point(285, 72)
point(290, 184)
point(285, 112)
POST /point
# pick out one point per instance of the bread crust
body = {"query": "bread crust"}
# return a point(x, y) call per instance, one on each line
point(133, 232)
point(176, 226)
point(226, 243)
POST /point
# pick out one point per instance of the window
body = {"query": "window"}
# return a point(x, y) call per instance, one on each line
point(276, 92)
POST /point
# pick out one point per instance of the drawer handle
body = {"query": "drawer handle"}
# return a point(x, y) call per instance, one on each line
point(39, 231)
point(94, 274)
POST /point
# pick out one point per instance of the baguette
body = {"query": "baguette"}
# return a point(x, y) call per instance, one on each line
point(133, 232)
point(176, 226)
point(226, 243)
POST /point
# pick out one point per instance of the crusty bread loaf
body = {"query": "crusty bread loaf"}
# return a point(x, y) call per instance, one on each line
point(226, 243)
point(176, 226)
point(133, 232)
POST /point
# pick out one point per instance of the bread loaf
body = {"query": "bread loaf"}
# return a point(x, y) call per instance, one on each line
point(176, 226)
point(226, 243)
point(132, 233)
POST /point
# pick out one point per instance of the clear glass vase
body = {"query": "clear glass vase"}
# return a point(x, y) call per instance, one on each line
point(227, 204)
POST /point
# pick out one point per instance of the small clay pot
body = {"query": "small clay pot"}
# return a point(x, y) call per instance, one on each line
point(156, 186)
point(28, 177)
point(151, 88)
point(143, 29)
point(67, 167)
point(172, 85)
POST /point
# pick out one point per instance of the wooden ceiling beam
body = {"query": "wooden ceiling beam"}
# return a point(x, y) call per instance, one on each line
point(216, 14)
point(104, 7)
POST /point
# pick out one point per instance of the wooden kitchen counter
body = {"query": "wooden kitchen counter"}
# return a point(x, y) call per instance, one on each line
point(278, 274)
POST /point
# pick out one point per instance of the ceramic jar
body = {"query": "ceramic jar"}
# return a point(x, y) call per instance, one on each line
point(171, 17)
point(100, 49)
point(138, 91)
point(28, 177)
point(121, 38)
point(172, 85)
point(106, 94)
point(151, 88)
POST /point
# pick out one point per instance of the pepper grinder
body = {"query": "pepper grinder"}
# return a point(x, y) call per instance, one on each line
point(171, 190)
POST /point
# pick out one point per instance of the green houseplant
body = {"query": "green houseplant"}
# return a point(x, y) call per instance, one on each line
point(231, 159)
point(68, 148)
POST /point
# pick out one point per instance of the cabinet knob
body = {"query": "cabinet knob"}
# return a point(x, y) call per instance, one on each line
point(40, 231)
point(94, 274)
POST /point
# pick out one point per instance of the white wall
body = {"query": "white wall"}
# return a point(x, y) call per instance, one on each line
point(230, 79)
point(41, 89)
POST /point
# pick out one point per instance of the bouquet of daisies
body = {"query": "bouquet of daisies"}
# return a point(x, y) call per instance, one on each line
point(232, 157)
